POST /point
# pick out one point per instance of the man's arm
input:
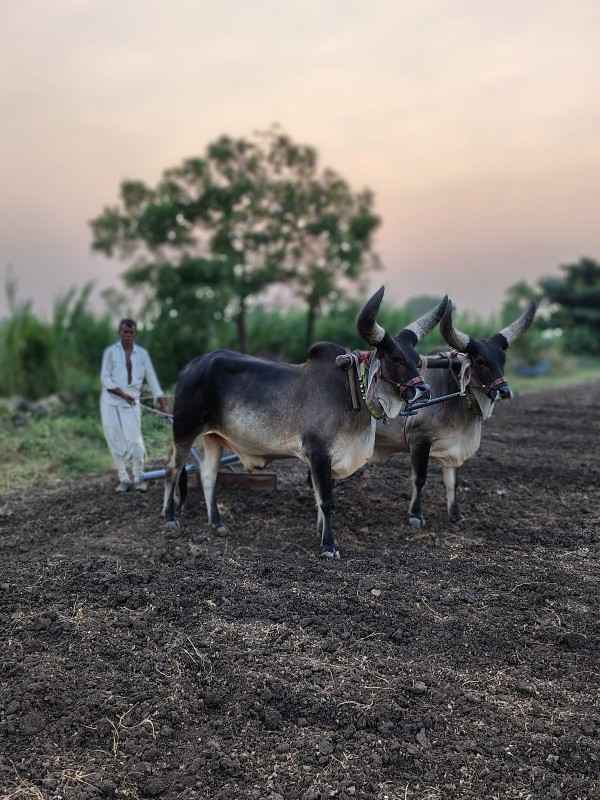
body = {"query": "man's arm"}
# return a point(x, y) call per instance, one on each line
point(120, 393)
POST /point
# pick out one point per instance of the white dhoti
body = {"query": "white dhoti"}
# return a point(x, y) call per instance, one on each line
point(123, 431)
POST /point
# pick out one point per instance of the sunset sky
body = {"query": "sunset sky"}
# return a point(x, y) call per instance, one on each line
point(476, 125)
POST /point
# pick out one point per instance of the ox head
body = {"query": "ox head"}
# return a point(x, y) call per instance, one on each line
point(396, 358)
point(487, 357)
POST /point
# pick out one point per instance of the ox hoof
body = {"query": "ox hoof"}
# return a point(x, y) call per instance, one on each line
point(416, 522)
point(330, 552)
point(221, 530)
point(457, 519)
point(173, 524)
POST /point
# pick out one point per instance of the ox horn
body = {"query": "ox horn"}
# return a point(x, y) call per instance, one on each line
point(366, 322)
point(452, 335)
point(422, 326)
point(520, 325)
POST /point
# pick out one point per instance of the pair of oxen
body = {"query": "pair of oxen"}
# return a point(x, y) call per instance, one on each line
point(339, 410)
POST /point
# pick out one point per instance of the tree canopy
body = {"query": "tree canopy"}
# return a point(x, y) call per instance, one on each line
point(574, 300)
point(220, 230)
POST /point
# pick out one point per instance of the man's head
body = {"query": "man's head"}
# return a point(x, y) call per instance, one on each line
point(127, 331)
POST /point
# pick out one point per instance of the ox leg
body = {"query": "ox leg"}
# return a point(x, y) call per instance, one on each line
point(419, 457)
point(450, 482)
point(182, 490)
point(211, 461)
point(175, 465)
point(320, 470)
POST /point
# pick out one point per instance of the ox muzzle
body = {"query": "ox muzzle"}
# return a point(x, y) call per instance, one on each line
point(411, 391)
point(498, 389)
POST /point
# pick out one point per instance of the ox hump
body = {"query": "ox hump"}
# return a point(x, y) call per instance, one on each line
point(325, 351)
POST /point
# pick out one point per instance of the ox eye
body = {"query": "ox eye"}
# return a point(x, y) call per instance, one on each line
point(397, 360)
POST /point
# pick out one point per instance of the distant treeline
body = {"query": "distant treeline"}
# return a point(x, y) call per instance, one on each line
point(62, 354)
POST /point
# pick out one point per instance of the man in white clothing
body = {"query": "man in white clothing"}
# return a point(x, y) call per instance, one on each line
point(125, 367)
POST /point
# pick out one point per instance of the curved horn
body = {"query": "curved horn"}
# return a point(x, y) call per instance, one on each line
point(366, 322)
point(452, 335)
point(520, 325)
point(422, 326)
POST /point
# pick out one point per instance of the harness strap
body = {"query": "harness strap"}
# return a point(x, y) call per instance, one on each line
point(347, 361)
point(353, 392)
point(464, 373)
point(360, 360)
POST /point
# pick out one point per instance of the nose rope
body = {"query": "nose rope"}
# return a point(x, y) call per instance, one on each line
point(497, 384)
point(403, 387)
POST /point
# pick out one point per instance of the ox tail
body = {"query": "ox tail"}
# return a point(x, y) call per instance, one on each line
point(182, 489)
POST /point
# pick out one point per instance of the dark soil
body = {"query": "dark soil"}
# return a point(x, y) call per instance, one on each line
point(454, 662)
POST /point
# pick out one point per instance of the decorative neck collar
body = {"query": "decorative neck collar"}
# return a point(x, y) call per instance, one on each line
point(369, 374)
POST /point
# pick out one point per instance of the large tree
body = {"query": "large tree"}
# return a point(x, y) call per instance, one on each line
point(575, 305)
point(219, 230)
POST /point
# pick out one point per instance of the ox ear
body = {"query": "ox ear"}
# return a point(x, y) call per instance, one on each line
point(519, 326)
point(366, 321)
point(455, 338)
point(425, 324)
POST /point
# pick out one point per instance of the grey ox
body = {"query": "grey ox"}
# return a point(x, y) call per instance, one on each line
point(265, 410)
point(450, 432)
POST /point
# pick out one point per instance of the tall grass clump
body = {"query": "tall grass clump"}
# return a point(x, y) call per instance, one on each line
point(62, 355)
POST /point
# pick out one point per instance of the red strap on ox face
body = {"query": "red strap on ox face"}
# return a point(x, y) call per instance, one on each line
point(403, 387)
point(489, 388)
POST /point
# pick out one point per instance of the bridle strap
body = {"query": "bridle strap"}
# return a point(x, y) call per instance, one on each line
point(464, 360)
point(366, 355)
point(403, 387)
point(497, 384)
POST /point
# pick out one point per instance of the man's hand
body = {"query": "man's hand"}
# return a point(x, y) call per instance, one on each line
point(120, 393)
point(162, 405)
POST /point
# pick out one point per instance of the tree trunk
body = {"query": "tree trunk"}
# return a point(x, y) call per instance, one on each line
point(311, 317)
point(241, 326)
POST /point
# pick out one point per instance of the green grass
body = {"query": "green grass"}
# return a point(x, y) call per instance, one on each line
point(565, 373)
point(56, 447)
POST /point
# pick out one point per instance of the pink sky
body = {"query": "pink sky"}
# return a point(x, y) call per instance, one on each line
point(476, 125)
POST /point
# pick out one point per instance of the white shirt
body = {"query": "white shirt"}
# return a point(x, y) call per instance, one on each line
point(113, 374)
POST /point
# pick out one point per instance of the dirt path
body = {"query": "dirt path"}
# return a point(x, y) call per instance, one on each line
point(457, 662)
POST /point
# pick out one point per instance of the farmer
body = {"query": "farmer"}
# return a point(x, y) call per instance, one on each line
point(125, 366)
